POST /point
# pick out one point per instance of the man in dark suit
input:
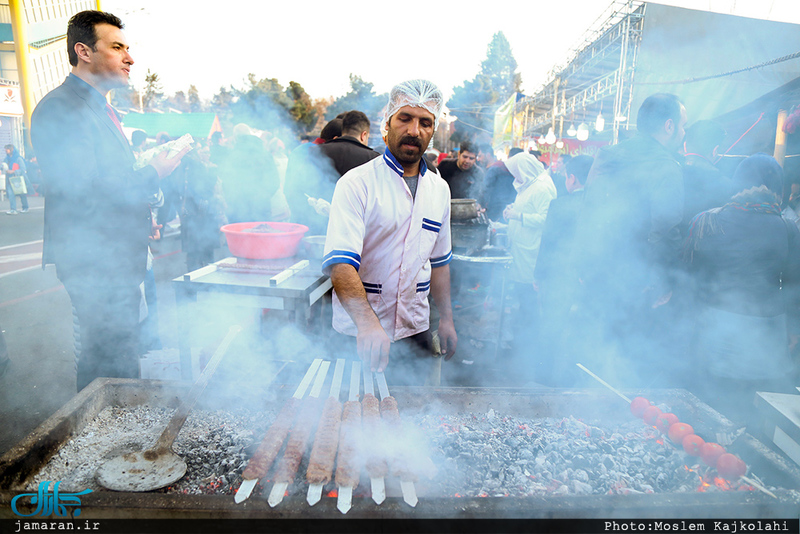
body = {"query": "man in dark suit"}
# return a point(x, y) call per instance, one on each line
point(97, 217)
point(350, 149)
point(557, 275)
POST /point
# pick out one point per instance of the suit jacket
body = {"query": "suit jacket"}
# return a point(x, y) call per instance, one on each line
point(96, 217)
point(347, 153)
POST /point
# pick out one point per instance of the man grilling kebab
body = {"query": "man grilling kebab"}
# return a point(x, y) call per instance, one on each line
point(388, 245)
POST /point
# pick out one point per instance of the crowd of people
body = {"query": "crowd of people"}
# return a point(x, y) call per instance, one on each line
point(646, 263)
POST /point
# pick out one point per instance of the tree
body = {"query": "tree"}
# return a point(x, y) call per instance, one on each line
point(475, 102)
point(501, 67)
point(177, 102)
point(125, 97)
point(361, 97)
point(153, 92)
point(302, 109)
point(221, 102)
point(193, 96)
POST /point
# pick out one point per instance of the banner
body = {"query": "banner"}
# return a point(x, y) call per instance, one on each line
point(10, 101)
point(504, 123)
point(572, 147)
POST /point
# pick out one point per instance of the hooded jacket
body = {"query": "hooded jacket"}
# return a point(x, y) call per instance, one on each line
point(535, 191)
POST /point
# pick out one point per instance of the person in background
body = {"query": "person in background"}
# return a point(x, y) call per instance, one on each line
point(388, 244)
point(629, 245)
point(350, 149)
point(558, 172)
point(278, 204)
point(557, 275)
point(704, 186)
point(203, 210)
point(138, 142)
point(499, 191)
point(249, 178)
point(526, 217)
point(486, 157)
point(16, 183)
point(461, 174)
point(97, 220)
point(302, 173)
point(745, 262)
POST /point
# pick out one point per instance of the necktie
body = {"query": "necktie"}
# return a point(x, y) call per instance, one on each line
point(113, 116)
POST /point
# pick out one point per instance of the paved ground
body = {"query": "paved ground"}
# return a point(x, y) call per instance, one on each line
point(35, 315)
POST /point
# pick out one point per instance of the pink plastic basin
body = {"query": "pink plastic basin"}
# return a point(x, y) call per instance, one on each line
point(264, 245)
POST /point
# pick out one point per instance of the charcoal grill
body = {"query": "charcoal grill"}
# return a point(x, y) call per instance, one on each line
point(28, 457)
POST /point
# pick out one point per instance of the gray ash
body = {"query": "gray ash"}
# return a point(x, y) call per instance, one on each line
point(215, 445)
point(489, 455)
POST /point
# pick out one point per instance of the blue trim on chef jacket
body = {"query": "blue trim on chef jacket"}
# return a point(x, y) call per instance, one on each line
point(423, 286)
point(441, 261)
point(393, 164)
point(433, 226)
point(341, 256)
point(373, 288)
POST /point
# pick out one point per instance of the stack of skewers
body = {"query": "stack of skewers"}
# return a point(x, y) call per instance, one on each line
point(349, 437)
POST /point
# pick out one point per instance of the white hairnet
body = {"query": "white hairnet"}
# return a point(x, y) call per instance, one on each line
point(525, 168)
point(416, 93)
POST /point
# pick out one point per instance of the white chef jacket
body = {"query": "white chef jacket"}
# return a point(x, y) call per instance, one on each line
point(392, 240)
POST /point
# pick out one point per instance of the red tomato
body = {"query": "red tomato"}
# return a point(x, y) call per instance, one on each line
point(666, 420)
point(650, 415)
point(710, 452)
point(730, 466)
point(678, 431)
point(692, 444)
point(638, 406)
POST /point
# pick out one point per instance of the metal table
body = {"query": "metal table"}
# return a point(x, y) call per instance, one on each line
point(251, 281)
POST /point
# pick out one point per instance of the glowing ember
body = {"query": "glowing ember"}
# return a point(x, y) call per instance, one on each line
point(333, 493)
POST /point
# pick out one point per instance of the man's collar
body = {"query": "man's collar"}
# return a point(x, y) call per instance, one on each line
point(393, 164)
point(90, 91)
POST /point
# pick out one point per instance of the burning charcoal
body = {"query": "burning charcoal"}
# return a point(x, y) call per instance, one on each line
point(581, 488)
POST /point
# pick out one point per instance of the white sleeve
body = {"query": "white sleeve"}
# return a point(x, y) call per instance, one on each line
point(346, 226)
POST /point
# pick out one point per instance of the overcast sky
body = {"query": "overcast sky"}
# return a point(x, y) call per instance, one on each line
point(319, 43)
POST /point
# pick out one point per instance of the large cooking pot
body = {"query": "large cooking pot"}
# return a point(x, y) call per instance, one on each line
point(463, 208)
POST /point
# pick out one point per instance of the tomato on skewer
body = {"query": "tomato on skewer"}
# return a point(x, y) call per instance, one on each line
point(638, 406)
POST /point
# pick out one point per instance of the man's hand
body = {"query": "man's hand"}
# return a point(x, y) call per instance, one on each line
point(155, 232)
point(447, 338)
point(373, 347)
point(510, 213)
point(165, 166)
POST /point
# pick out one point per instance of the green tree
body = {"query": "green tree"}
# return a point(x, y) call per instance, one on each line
point(501, 67)
point(302, 110)
point(153, 92)
point(177, 102)
point(221, 102)
point(475, 102)
point(193, 97)
point(125, 98)
point(361, 97)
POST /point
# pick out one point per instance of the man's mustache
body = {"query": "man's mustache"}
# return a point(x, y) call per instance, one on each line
point(408, 140)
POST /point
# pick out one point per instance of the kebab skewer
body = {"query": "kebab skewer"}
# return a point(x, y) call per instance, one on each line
point(391, 417)
point(326, 441)
point(348, 467)
point(377, 467)
point(267, 451)
point(298, 440)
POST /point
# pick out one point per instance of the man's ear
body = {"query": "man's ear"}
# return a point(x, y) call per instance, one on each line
point(364, 137)
point(669, 126)
point(83, 52)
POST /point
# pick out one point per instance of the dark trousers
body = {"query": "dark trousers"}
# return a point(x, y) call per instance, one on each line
point(108, 319)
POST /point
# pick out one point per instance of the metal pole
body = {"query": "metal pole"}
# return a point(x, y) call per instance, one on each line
point(19, 29)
